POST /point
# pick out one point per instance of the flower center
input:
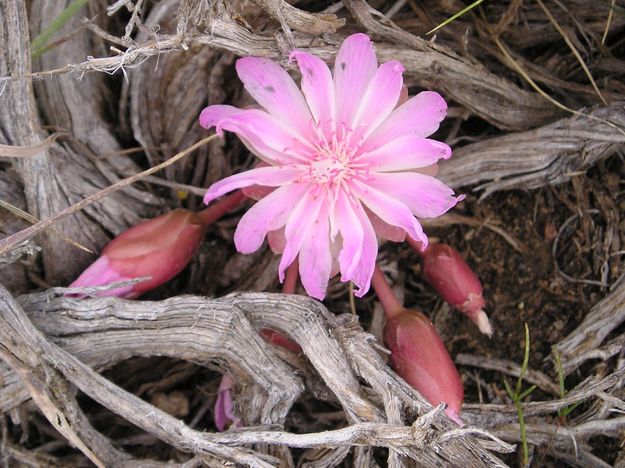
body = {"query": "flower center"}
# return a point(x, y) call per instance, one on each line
point(331, 163)
point(326, 170)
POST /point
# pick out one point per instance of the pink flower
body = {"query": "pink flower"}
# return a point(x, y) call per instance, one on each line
point(344, 162)
point(421, 359)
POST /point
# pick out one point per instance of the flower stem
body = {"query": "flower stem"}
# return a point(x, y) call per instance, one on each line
point(217, 210)
point(290, 278)
point(392, 307)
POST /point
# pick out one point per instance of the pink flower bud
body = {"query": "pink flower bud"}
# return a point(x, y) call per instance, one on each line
point(159, 248)
point(224, 407)
point(278, 339)
point(421, 359)
point(455, 281)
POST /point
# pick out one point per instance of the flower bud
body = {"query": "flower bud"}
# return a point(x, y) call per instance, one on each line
point(278, 339)
point(455, 281)
point(224, 406)
point(159, 248)
point(421, 359)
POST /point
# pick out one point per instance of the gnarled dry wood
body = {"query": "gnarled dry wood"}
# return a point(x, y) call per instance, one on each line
point(58, 175)
point(604, 317)
point(104, 331)
point(299, 20)
point(12, 272)
point(427, 65)
point(546, 155)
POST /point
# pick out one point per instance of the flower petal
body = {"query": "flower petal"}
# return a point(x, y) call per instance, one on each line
point(272, 176)
point(379, 100)
point(425, 196)
point(256, 192)
point(389, 210)
point(318, 88)
point(352, 233)
point(212, 115)
point(405, 153)
point(385, 230)
point(265, 136)
point(274, 89)
point(101, 273)
point(315, 260)
point(268, 214)
point(363, 271)
point(354, 67)
point(276, 240)
point(224, 406)
point(420, 116)
point(305, 213)
point(335, 248)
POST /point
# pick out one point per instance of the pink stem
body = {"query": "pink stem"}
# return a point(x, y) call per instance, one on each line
point(392, 307)
point(215, 211)
point(291, 277)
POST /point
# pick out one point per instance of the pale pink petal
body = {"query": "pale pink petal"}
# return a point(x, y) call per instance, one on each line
point(272, 176)
point(431, 170)
point(363, 272)
point(403, 96)
point(335, 248)
point(100, 273)
point(425, 196)
point(266, 137)
point(268, 214)
point(389, 210)
point(420, 116)
point(212, 115)
point(385, 230)
point(276, 240)
point(405, 153)
point(274, 89)
point(354, 67)
point(315, 261)
point(305, 213)
point(379, 100)
point(352, 234)
point(318, 88)
point(256, 192)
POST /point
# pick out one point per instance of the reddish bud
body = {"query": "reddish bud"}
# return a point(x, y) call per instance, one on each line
point(455, 281)
point(159, 248)
point(421, 359)
point(278, 339)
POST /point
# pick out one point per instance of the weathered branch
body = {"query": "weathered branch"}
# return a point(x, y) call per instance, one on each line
point(104, 331)
point(546, 155)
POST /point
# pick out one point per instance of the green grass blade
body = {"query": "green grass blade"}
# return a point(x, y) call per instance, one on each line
point(523, 395)
point(456, 16)
point(38, 45)
point(523, 431)
point(509, 389)
point(566, 411)
point(526, 359)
